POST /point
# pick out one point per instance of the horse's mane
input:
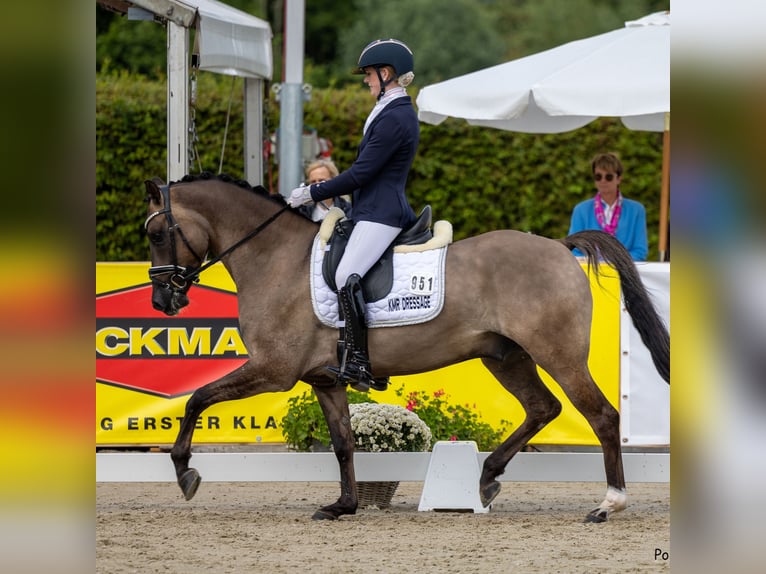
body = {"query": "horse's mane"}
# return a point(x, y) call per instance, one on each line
point(226, 178)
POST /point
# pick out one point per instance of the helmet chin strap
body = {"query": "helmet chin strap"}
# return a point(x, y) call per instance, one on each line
point(382, 83)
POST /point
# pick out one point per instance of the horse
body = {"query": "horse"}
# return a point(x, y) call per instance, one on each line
point(515, 300)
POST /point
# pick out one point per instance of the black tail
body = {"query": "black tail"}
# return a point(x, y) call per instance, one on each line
point(600, 246)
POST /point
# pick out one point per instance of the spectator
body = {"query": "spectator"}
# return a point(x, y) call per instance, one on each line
point(610, 211)
point(317, 172)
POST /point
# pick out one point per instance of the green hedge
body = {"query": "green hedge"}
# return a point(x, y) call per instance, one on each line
point(480, 179)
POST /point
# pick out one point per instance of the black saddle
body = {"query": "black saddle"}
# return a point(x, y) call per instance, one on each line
point(378, 281)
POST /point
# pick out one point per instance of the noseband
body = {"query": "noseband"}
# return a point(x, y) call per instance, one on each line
point(181, 278)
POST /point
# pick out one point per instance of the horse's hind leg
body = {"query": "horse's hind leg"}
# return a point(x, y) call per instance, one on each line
point(518, 374)
point(236, 385)
point(604, 419)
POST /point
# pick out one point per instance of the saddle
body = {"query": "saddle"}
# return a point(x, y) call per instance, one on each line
point(378, 281)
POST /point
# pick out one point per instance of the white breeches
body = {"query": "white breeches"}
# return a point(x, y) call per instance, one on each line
point(367, 243)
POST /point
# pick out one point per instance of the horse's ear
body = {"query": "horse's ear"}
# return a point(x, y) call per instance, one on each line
point(153, 194)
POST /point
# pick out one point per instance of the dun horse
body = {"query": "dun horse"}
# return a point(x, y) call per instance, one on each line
point(514, 300)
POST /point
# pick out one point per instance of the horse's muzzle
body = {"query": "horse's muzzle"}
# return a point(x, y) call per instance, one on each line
point(168, 300)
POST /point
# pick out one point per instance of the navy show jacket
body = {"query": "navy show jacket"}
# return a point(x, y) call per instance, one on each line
point(377, 178)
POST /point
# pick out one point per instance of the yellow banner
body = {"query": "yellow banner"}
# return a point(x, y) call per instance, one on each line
point(134, 408)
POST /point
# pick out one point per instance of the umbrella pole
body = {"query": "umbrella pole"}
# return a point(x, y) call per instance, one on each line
point(665, 190)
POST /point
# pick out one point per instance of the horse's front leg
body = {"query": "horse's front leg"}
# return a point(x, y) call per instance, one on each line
point(334, 403)
point(239, 384)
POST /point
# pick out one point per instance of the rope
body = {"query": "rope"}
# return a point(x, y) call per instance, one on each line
point(193, 151)
point(226, 127)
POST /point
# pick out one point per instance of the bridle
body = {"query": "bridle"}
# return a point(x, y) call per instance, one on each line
point(181, 278)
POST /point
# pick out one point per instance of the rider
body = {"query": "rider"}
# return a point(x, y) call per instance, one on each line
point(380, 209)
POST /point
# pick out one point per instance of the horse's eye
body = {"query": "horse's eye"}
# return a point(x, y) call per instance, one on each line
point(156, 237)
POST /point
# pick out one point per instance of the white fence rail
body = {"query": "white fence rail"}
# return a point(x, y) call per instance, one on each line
point(384, 466)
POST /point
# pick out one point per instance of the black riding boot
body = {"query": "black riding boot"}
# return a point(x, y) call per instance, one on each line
point(355, 367)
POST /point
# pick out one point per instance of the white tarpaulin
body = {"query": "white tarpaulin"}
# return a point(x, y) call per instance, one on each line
point(229, 41)
point(624, 73)
point(233, 42)
point(644, 395)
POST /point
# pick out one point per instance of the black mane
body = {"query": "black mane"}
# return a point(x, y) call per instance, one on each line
point(226, 178)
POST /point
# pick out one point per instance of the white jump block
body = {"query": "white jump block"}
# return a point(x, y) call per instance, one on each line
point(452, 479)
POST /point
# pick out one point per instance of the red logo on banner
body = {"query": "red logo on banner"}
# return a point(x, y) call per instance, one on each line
point(144, 350)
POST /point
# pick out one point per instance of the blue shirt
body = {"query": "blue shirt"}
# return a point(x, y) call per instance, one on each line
point(631, 228)
point(377, 178)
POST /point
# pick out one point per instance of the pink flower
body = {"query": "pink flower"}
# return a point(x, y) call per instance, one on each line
point(453, 438)
point(411, 405)
point(439, 393)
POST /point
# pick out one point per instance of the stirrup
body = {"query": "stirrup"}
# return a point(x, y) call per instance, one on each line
point(379, 383)
point(361, 381)
point(363, 386)
point(344, 380)
point(353, 373)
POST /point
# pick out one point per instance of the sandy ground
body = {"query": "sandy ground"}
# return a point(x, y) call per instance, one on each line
point(267, 527)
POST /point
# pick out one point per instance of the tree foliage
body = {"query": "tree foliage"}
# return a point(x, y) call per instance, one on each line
point(138, 47)
point(447, 38)
point(539, 25)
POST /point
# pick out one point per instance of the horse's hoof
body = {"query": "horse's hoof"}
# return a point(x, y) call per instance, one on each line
point(189, 483)
point(323, 515)
point(488, 494)
point(596, 516)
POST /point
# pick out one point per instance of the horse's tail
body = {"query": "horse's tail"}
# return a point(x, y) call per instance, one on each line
point(599, 246)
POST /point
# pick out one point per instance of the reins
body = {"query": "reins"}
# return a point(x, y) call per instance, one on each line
point(245, 239)
point(181, 276)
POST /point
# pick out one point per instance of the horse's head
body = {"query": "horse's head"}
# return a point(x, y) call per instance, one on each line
point(175, 263)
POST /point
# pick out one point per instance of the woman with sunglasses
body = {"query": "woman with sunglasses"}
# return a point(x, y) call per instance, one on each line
point(609, 211)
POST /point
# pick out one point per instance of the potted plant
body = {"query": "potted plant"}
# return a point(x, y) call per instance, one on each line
point(388, 428)
point(385, 428)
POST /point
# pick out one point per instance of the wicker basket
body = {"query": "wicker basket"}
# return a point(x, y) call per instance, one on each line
point(377, 494)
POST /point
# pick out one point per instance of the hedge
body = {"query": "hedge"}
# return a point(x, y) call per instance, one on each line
point(480, 179)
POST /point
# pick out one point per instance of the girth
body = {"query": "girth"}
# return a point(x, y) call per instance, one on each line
point(378, 281)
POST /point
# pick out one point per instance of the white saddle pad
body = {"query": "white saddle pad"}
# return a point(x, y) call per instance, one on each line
point(417, 294)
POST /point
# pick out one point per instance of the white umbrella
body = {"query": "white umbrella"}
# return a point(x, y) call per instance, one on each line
point(624, 73)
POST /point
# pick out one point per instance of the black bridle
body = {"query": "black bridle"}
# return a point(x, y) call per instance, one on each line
point(181, 278)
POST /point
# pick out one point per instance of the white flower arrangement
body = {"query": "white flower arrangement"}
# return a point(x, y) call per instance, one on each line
point(388, 428)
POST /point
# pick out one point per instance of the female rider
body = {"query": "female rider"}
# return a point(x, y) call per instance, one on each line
point(376, 181)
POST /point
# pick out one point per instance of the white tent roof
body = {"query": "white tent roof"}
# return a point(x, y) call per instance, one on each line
point(623, 73)
point(231, 41)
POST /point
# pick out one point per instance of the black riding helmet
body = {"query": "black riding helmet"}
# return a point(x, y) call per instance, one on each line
point(379, 53)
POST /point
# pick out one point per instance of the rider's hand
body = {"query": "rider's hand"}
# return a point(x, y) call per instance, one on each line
point(300, 196)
